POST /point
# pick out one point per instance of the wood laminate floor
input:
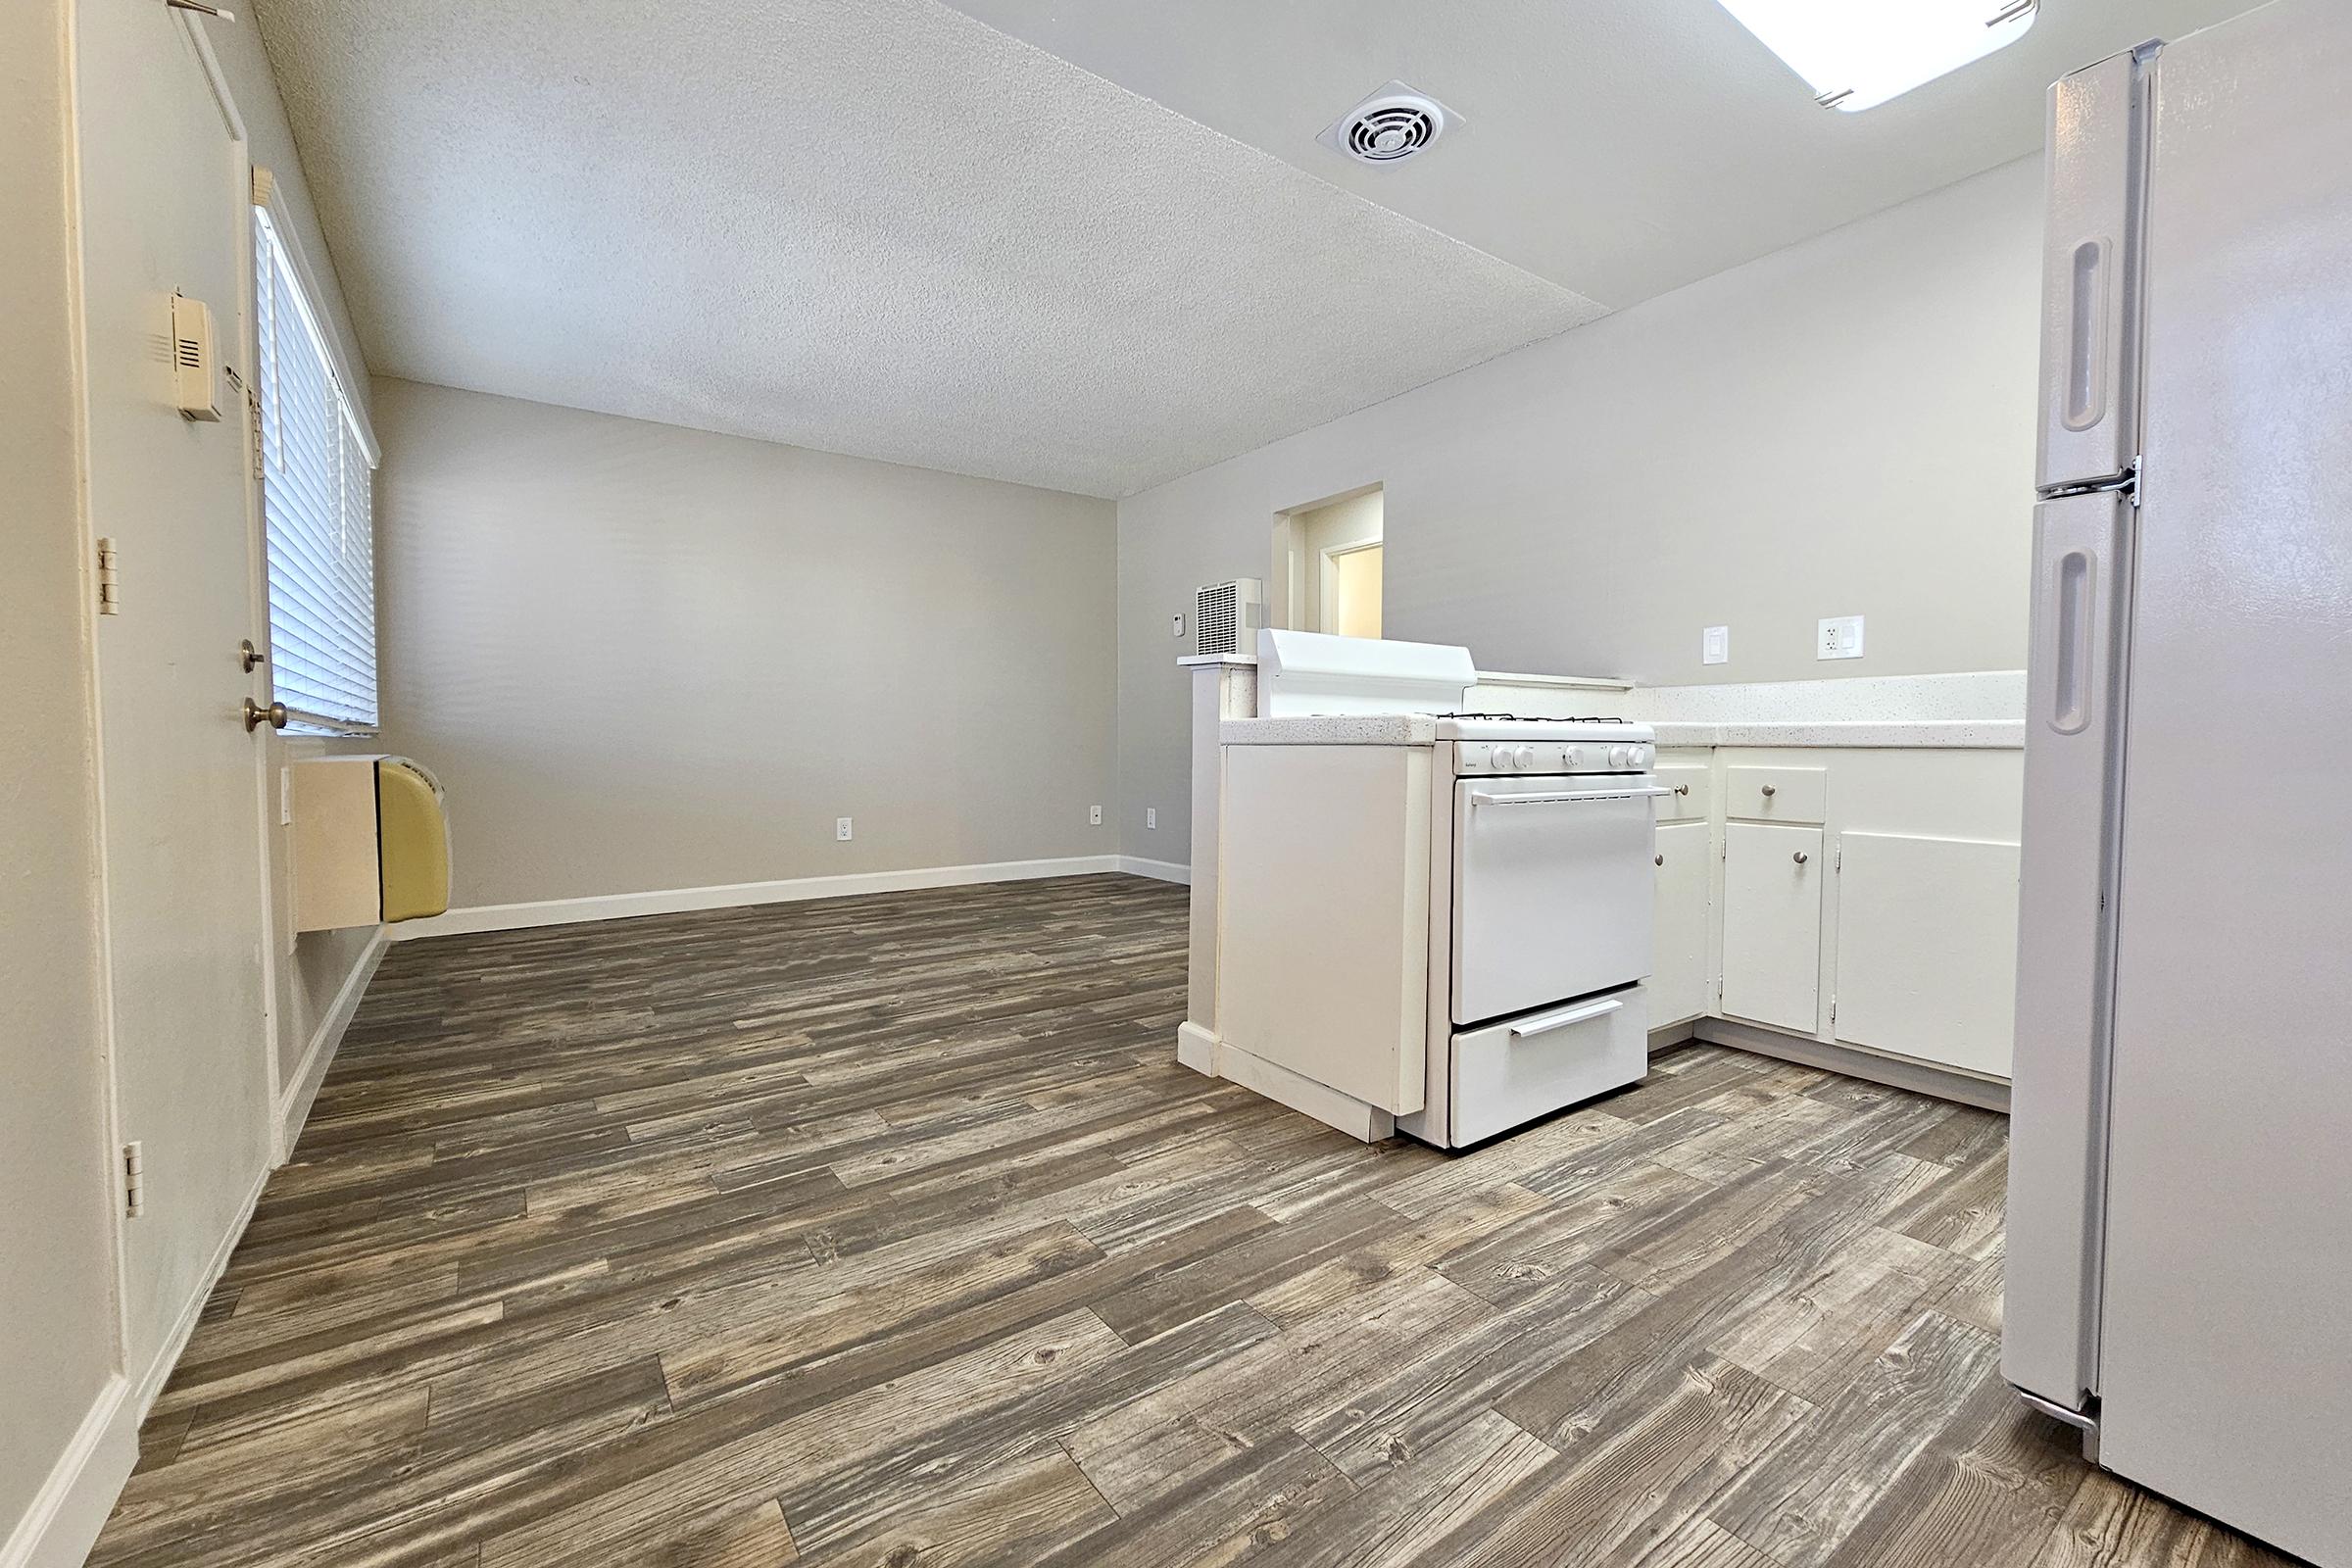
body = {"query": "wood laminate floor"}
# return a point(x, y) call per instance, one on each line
point(888, 1231)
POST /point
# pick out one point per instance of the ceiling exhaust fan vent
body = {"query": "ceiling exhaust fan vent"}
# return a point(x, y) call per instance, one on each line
point(1393, 124)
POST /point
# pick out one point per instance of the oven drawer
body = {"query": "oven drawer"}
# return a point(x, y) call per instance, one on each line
point(1511, 1072)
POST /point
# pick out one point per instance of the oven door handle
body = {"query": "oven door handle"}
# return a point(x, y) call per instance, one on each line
point(1555, 797)
point(1584, 1013)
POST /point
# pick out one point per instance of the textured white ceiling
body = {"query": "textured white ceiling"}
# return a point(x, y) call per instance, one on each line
point(874, 226)
point(1618, 147)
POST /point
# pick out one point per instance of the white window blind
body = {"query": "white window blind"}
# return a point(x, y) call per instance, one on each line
point(318, 504)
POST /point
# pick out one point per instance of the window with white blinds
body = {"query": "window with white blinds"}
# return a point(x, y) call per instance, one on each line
point(316, 501)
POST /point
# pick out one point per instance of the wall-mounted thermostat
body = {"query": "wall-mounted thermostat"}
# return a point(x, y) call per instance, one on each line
point(192, 360)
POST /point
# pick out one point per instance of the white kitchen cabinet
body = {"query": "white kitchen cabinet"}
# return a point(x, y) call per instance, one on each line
point(1679, 985)
point(1927, 948)
point(1772, 881)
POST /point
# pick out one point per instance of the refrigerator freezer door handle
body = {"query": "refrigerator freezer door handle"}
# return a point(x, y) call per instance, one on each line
point(2085, 393)
point(2075, 577)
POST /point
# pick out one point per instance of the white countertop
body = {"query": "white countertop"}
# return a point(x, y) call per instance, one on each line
point(1421, 729)
point(1986, 734)
point(1332, 729)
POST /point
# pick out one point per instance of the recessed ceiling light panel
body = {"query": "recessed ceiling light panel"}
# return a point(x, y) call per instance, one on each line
point(1859, 53)
point(1393, 124)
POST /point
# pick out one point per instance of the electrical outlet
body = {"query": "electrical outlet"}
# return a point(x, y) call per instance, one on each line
point(1838, 637)
point(841, 829)
point(1176, 627)
point(1094, 816)
point(1715, 646)
point(1151, 817)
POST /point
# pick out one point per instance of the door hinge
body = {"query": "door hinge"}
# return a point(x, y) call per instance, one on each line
point(1838, 858)
point(109, 584)
point(134, 1180)
point(253, 426)
point(1832, 1012)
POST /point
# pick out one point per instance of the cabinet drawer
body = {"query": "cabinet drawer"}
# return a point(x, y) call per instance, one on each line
point(1512, 1072)
point(1693, 786)
point(1777, 793)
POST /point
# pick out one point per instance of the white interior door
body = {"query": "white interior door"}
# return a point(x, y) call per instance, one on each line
point(161, 213)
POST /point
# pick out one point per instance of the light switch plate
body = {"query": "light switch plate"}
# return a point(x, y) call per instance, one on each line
point(1838, 637)
point(1176, 627)
point(1715, 646)
point(1151, 817)
point(1094, 816)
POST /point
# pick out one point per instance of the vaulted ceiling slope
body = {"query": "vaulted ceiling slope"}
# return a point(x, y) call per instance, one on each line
point(1620, 148)
point(872, 227)
point(1087, 246)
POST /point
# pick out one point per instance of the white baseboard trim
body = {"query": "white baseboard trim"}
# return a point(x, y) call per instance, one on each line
point(1197, 1048)
point(63, 1521)
point(159, 1371)
point(1896, 1072)
point(1159, 870)
point(736, 895)
point(294, 1105)
point(61, 1524)
point(1367, 1123)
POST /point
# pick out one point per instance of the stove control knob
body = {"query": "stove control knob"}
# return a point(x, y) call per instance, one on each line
point(1620, 757)
point(1502, 760)
point(1568, 756)
point(1524, 758)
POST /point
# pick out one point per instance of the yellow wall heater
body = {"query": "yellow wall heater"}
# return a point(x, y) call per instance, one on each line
point(370, 842)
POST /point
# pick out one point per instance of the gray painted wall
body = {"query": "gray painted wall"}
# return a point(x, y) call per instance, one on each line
point(57, 1253)
point(644, 658)
point(1844, 428)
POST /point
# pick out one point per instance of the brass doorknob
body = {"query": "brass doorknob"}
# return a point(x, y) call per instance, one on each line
point(249, 656)
point(255, 715)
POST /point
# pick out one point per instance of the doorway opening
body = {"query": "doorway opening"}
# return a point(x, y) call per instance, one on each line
point(1328, 565)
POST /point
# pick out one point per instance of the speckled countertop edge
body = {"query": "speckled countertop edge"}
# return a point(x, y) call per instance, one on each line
point(1421, 729)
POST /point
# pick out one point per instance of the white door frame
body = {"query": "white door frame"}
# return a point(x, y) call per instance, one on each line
point(1330, 579)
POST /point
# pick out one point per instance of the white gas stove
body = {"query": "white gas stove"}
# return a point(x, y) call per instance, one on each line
point(1445, 917)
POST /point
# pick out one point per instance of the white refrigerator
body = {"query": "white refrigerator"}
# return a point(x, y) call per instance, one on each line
point(2180, 1263)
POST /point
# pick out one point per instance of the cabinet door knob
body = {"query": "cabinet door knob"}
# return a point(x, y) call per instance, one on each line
point(1801, 857)
point(1659, 858)
point(1770, 790)
point(1682, 789)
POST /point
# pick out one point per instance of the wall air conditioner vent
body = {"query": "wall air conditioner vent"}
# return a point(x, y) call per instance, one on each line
point(1393, 124)
point(1227, 615)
